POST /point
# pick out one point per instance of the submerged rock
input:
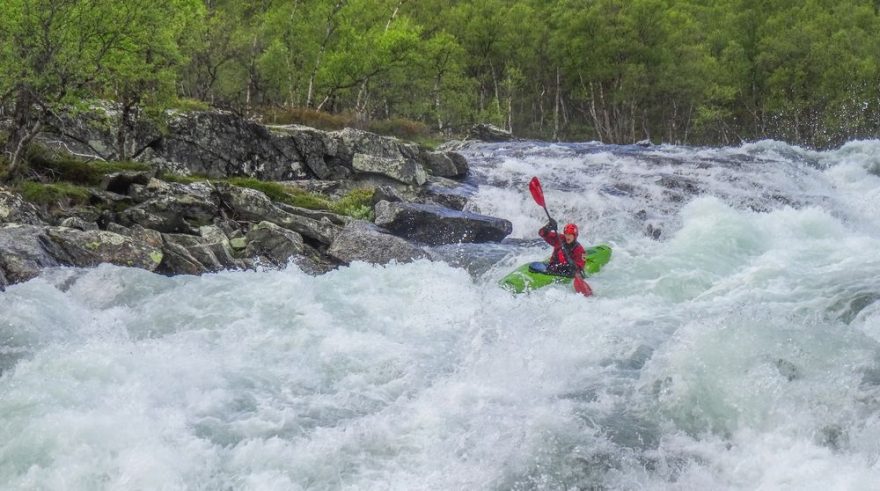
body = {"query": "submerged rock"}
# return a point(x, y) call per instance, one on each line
point(437, 225)
point(488, 133)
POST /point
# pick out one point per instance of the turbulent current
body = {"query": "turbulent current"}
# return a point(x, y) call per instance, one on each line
point(733, 342)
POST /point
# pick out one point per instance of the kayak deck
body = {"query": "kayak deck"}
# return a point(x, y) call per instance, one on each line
point(524, 278)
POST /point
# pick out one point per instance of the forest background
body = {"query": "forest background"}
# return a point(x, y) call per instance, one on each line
point(706, 72)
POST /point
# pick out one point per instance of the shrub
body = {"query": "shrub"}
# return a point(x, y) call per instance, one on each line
point(399, 127)
point(305, 199)
point(357, 203)
point(308, 117)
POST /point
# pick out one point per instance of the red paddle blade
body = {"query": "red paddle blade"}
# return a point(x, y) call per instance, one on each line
point(582, 287)
point(537, 192)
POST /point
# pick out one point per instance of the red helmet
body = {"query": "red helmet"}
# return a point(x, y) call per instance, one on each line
point(570, 228)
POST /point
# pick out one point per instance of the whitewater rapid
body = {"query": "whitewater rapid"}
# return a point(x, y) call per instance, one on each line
point(738, 348)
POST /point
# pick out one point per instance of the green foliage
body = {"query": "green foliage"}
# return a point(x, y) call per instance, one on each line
point(357, 203)
point(688, 71)
point(273, 190)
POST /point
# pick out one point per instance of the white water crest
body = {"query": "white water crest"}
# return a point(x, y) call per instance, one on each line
point(733, 343)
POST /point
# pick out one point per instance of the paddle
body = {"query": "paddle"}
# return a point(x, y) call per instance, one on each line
point(580, 285)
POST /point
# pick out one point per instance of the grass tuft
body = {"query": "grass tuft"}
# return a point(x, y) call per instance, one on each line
point(53, 193)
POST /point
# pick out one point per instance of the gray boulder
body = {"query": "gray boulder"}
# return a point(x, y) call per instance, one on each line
point(317, 149)
point(445, 192)
point(398, 168)
point(25, 250)
point(436, 225)
point(488, 133)
point(353, 141)
point(446, 164)
point(196, 250)
point(78, 223)
point(461, 164)
point(92, 247)
point(177, 259)
point(14, 209)
point(363, 241)
point(277, 245)
point(216, 240)
point(175, 208)
point(221, 144)
point(253, 205)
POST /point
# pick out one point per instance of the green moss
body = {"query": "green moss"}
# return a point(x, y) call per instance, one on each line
point(275, 191)
point(50, 194)
point(61, 168)
point(284, 194)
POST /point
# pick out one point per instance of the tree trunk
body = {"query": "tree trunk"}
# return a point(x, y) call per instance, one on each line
point(495, 87)
point(541, 109)
point(556, 109)
point(437, 103)
point(123, 130)
point(24, 128)
point(331, 28)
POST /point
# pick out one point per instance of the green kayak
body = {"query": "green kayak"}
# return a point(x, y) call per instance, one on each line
point(525, 278)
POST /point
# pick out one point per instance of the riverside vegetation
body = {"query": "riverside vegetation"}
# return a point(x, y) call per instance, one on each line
point(619, 71)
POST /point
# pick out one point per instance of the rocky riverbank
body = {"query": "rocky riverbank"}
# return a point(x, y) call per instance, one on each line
point(155, 219)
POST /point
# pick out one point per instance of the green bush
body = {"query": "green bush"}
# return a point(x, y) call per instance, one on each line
point(357, 203)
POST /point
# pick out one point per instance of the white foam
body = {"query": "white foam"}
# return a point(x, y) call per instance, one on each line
point(739, 351)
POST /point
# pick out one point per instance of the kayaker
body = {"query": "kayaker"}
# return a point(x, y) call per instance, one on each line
point(558, 264)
